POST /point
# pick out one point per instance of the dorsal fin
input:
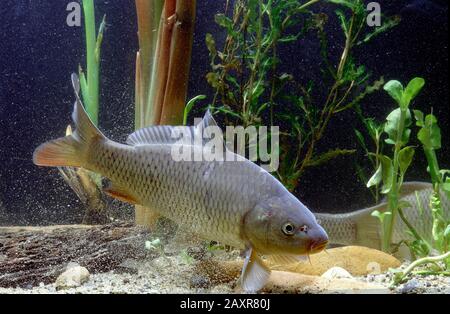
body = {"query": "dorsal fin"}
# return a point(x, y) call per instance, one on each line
point(208, 120)
point(170, 134)
point(161, 134)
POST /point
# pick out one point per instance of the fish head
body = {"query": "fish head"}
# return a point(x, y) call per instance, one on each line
point(283, 225)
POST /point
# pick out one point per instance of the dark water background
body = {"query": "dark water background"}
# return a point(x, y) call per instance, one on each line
point(38, 51)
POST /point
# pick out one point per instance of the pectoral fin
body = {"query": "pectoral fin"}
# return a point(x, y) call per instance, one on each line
point(121, 194)
point(254, 273)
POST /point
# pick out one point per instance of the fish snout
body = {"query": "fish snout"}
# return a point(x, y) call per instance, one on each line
point(319, 241)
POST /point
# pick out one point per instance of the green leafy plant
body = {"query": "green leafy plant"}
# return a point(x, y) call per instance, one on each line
point(429, 136)
point(250, 90)
point(375, 132)
point(390, 175)
point(391, 170)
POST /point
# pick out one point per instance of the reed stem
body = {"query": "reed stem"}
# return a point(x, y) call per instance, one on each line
point(90, 83)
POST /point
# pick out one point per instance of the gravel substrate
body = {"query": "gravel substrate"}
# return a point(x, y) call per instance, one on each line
point(175, 274)
point(415, 284)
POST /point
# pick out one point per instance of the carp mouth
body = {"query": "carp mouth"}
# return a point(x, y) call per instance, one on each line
point(317, 246)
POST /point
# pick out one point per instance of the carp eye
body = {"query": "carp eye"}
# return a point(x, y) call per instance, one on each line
point(288, 229)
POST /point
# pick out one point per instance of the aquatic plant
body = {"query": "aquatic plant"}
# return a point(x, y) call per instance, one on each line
point(401, 275)
point(375, 131)
point(90, 83)
point(429, 136)
point(155, 245)
point(250, 90)
point(163, 60)
point(165, 31)
point(391, 170)
point(86, 184)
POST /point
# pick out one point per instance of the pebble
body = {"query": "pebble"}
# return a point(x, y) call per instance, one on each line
point(197, 252)
point(73, 277)
point(410, 287)
point(336, 272)
point(199, 281)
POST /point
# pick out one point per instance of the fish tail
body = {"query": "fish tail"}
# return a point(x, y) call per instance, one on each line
point(72, 150)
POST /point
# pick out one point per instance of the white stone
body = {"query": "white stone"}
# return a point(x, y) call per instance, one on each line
point(336, 272)
point(73, 277)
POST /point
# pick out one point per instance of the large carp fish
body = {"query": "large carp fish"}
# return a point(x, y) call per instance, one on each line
point(233, 200)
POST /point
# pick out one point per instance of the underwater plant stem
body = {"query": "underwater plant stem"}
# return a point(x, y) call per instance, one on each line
point(149, 16)
point(180, 62)
point(162, 62)
point(307, 4)
point(408, 224)
point(433, 165)
point(348, 45)
point(138, 116)
point(93, 68)
point(145, 35)
point(393, 194)
point(426, 260)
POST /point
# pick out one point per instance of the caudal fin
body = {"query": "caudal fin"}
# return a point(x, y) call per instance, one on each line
point(70, 150)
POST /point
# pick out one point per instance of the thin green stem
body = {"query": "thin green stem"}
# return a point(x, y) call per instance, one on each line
point(426, 260)
point(408, 224)
point(394, 191)
point(433, 164)
point(93, 68)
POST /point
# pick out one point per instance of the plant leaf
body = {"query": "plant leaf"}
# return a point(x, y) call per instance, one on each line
point(376, 178)
point(405, 158)
point(329, 155)
point(413, 89)
point(189, 106)
point(379, 215)
point(361, 140)
point(430, 133)
point(387, 173)
point(395, 90)
point(419, 118)
point(392, 125)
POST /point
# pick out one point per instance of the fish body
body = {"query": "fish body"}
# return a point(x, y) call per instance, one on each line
point(361, 228)
point(231, 200)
